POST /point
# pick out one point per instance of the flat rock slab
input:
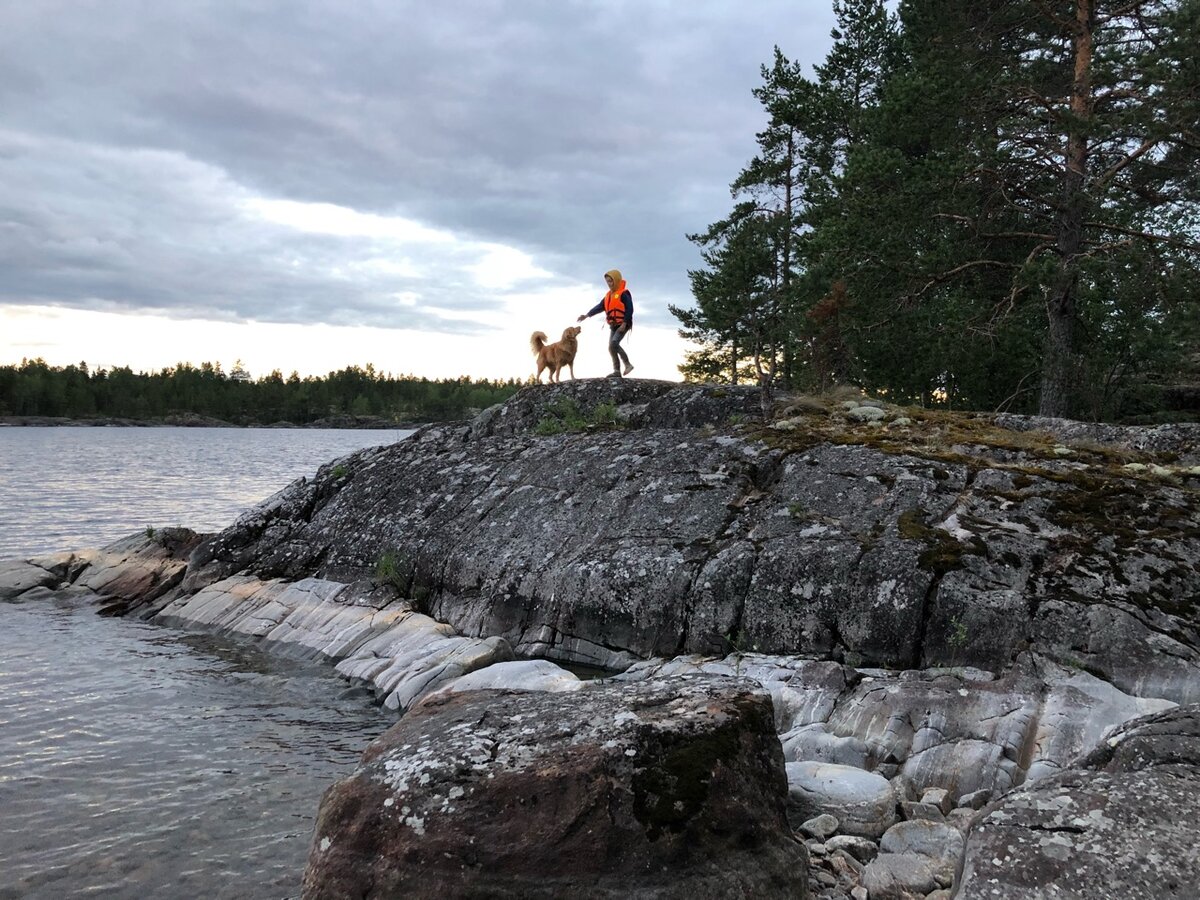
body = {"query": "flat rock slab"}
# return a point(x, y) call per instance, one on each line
point(18, 576)
point(401, 653)
point(664, 789)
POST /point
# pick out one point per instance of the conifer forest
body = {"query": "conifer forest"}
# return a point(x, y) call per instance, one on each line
point(989, 206)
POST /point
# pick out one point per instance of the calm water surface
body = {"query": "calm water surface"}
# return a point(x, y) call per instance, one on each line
point(138, 761)
point(74, 488)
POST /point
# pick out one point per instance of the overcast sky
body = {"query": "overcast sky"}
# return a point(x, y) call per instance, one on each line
point(415, 184)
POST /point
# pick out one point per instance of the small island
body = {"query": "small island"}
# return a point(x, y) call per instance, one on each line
point(892, 645)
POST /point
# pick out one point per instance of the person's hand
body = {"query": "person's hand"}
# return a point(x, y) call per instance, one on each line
point(581, 318)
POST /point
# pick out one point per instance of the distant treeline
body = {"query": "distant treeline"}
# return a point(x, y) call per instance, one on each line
point(34, 388)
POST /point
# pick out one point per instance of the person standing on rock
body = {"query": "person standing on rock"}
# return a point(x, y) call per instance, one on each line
point(617, 307)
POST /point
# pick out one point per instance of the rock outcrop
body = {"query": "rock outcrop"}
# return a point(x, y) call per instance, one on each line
point(946, 542)
point(944, 609)
point(662, 789)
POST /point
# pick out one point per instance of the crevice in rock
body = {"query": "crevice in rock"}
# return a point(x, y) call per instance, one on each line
point(761, 480)
point(927, 602)
point(1055, 829)
point(1028, 748)
point(935, 582)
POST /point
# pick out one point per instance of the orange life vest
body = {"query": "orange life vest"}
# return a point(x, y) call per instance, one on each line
point(614, 306)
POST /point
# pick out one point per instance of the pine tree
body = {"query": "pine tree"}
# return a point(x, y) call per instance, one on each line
point(1046, 155)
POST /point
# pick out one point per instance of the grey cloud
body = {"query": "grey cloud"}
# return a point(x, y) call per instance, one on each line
point(587, 134)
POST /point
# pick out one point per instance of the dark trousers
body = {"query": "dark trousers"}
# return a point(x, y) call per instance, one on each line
point(615, 350)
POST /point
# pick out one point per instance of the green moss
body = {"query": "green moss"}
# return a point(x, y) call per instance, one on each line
point(958, 633)
point(911, 525)
point(943, 552)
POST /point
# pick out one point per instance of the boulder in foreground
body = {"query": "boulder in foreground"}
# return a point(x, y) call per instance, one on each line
point(1123, 824)
point(664, 789)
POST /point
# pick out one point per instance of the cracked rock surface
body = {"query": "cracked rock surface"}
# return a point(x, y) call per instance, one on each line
point(876, 545)
point(1123, 824)
point(667, 789)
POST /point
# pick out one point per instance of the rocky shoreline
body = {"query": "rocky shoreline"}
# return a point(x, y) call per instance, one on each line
point(975, 639)
point(197, 421)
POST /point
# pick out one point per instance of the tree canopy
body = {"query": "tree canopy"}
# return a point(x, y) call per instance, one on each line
point(980, 205)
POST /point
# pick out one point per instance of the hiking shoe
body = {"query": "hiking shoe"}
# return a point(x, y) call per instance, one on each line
point(613, 375)
point(628, 368)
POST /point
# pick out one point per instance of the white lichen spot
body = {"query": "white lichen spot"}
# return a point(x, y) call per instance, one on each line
point(416, 823)
point(389, 802)
point(631, 752)
point(326, 843)
point(456, 792)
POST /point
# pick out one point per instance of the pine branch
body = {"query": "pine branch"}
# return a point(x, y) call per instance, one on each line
point(1147, 145)
point(1153, 238)
point(952, 273)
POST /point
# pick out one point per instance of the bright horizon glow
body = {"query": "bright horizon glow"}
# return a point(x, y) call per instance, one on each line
point(150, 343)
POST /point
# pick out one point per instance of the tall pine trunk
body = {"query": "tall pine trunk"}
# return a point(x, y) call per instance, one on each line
point(1061, 363)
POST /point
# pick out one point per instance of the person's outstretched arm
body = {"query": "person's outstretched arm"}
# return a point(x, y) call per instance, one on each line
point(599, 307)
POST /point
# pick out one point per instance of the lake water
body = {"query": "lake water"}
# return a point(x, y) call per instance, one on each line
point(142, 761)
point(138, 761)
point(74, 488)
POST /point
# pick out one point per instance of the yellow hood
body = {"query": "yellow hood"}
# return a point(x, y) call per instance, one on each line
point(615, 275)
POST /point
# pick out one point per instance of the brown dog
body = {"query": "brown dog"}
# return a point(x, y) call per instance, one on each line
point(555, 356)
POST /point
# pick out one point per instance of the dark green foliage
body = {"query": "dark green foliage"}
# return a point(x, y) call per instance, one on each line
point(566, 416)
point(974, 206)
point(34, 388)
point(393, 568)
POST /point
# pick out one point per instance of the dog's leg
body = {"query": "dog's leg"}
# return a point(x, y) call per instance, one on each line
point(571, 366)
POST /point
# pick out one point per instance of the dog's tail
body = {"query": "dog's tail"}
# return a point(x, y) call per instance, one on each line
point(538, 341)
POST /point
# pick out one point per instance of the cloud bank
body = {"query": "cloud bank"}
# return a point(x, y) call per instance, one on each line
point(387, 164)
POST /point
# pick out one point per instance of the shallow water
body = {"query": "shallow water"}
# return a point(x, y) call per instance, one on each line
point(139, 761)
point(74, 488)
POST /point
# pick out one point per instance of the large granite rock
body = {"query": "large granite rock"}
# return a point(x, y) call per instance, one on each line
point(863, 803)
point(1122, 824)
point(17, 576)
point(667, 789)
point(128, 575)
point(943, 542)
